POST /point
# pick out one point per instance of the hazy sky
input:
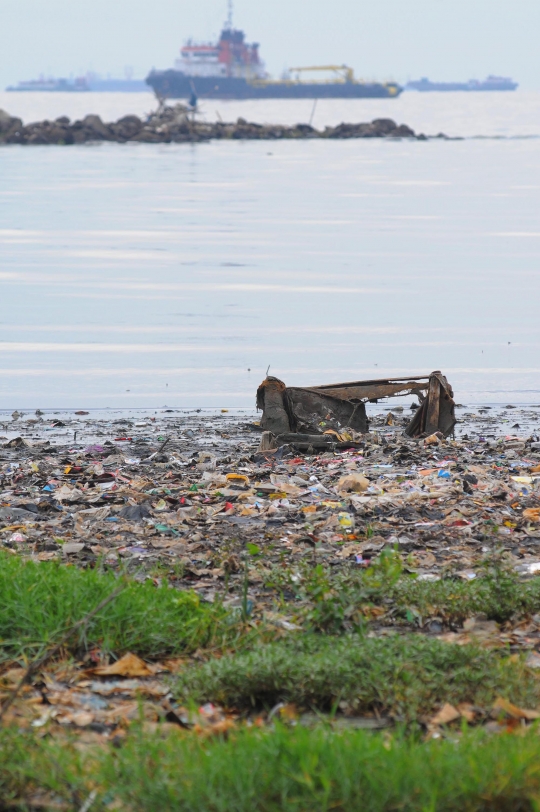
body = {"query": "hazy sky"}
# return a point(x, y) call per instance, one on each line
point(400, 39)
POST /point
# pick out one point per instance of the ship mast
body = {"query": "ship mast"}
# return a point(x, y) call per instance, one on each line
point(229, 22)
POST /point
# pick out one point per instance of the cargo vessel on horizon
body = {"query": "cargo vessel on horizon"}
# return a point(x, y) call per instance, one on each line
point(232, 69)
point(491, 83)
point(91, 82)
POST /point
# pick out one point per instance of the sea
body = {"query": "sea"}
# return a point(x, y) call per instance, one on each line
point(178, 275)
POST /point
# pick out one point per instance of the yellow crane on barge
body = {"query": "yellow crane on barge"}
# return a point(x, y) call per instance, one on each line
point(344, 72)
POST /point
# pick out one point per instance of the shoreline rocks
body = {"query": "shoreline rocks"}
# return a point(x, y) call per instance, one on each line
point(178, 124)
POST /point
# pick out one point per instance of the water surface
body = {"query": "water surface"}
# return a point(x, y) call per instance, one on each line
point(145, 275)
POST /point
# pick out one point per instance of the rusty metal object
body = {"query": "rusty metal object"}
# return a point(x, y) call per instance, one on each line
point(437, 412)
point(313, 410)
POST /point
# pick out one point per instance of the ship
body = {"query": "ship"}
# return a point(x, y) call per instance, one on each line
point(232, 69)
point(91, 82)
point(43, 85)
point(491, 83)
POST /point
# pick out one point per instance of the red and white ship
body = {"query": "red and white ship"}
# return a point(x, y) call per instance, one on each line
point(232, 69)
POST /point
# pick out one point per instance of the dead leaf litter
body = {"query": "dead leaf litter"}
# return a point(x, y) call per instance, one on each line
point(183, 494)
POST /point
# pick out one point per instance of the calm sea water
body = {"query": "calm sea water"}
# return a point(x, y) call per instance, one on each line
point(145, 275)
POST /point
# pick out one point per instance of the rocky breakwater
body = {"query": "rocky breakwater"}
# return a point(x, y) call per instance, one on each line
point(178, 124)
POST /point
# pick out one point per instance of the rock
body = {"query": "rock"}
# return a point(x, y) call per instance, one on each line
point(79, 136)
point(127, 127)
point(95, 127)
point(305, 129)
point(384, 126)
point(5, 120)
point(176, 124)
point(403, 132)
point(8, 124)
point(148, 136)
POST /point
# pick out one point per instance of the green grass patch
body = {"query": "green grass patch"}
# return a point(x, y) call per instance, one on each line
point(335, 601)
point(498, 594)
point(39, 602)
point(275, 770)
point(404, 676)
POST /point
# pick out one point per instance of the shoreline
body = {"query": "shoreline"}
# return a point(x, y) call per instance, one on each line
point(203, 481)
point(178, 125)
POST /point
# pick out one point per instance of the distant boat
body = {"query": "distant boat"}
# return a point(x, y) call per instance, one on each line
point(491, 83)
point(92, 82)
point(51, 86)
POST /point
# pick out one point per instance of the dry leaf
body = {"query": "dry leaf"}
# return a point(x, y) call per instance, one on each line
point(221, 728)
point(446, 715)
point(481, 629)
point(467, 711)
point(352, 482)
point(13, 676)
point(502, 704)
point(533, 660)
point(432, 440)
point(128, 666)
point(80, 718)
point(350, 549)
point(532, 514)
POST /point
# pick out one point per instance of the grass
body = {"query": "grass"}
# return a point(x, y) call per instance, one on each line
point(404, 676)
point(38, 602)
point(407, 676)
point(499, 594)
point(280, 769)
point(332, 602)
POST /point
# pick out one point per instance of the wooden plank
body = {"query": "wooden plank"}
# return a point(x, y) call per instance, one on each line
point(374, 381)
point(370, 391)
point(433, 397)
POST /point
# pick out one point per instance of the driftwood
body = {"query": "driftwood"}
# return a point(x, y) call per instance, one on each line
point(292, 414)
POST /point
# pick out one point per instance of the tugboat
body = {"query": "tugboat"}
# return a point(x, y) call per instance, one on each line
point(232, 69)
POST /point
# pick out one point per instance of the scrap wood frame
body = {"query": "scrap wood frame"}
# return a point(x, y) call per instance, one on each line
point(307, 410)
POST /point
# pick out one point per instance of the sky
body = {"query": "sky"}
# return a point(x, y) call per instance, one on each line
point(382, 39)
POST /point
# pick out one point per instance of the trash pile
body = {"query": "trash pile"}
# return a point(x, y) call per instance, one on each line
point(197, 499)
point(187, 492)
point(178, 124)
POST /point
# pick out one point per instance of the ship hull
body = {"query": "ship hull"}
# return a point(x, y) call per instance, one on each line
point(174, 84)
